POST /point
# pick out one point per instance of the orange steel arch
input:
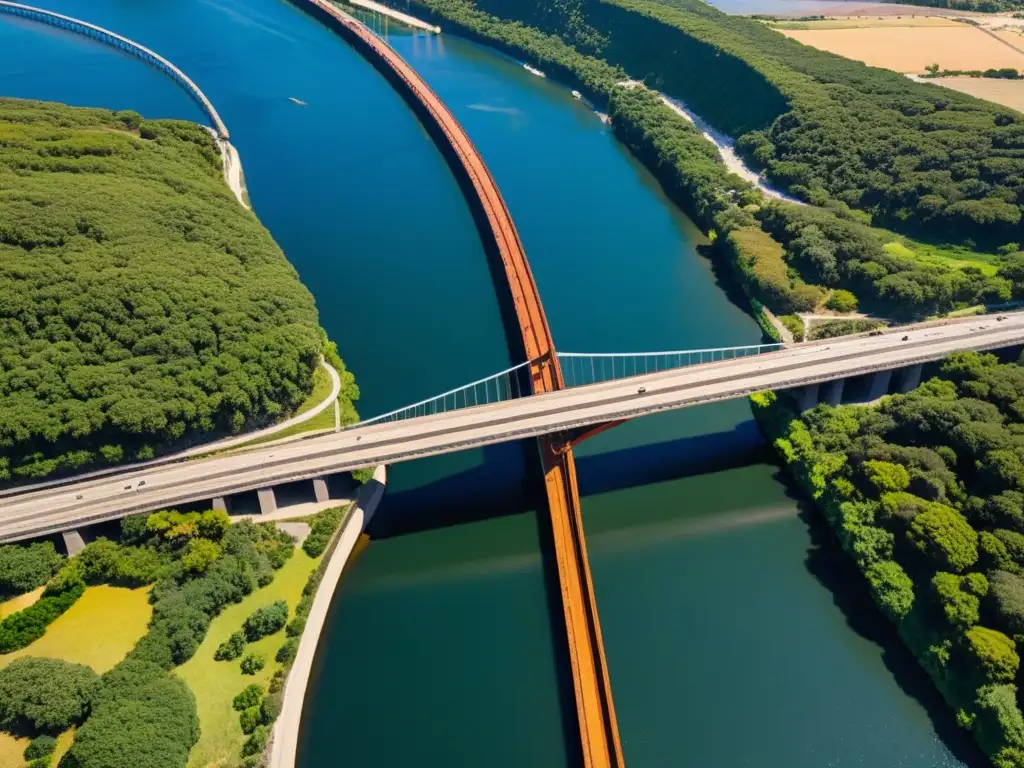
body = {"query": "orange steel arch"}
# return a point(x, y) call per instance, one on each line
point(595, 711)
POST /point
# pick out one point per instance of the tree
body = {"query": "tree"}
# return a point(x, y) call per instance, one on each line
point(960, 596)
point(23, 567)
point(266, 620)
point(48, 695)
point(142, 717)
point(892, 588)
point(886, 476)
point(1006, 601)
point(945, 537)
point(199, 555)
point(231, 648)
point(249, 719)
point(249, 697)
point(993, 655)
point(253, 663)
point(841, 300)
point(40, 746)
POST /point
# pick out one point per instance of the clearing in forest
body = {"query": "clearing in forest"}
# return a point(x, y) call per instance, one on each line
point(98, 630)
point(910, 49)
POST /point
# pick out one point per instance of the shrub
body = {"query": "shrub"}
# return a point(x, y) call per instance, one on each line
point(231, 648)
point(249, 697)
point(270, 707)
point(249, 719)
point(47, 695)
point(892, 588)
point(842, 301)
point(29, 624)
point(945, 536)
point(277, 680)
point(252, 664)
point(23, 567)
point(256, 742)
point(266, 620)
point(794, 325)
point(40, 746)
point(286, 653)
point(321, 530)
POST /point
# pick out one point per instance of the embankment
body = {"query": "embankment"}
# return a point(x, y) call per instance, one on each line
point(286, 729)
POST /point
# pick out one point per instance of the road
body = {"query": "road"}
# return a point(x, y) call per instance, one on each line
point(198, 450)
point(56, 509)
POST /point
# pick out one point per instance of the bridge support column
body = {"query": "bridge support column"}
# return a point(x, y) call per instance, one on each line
point(220, 503)
point(832, 393)
point(73, 542)
point(910, 377)
point(320, 489)
point(806, 397)
point(879, 384)
point(268, 503)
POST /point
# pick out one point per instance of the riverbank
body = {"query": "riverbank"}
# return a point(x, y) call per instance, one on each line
point(285, 738)
point(927, 528)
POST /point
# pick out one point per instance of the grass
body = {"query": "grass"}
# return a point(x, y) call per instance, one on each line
point(946, 255)
point(15, 604)
point(97, 631)
point(12, 749)
point(216, 683)
point(322, 386)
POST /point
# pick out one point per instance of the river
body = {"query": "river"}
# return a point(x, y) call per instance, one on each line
point(734, 634)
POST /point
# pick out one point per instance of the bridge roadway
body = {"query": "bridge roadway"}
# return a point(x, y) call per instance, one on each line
point(52, 510)
point(599, 737)
point(122, 43)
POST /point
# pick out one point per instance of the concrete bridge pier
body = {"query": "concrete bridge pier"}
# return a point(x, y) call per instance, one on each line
point(832, 393)
point(806, 397)
point(268, 504)
point(910, 378)
point(878, 385)
point(220, 503)
point(320, 489)
point(73, 542)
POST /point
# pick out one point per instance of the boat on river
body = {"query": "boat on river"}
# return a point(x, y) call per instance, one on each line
point(533, 70)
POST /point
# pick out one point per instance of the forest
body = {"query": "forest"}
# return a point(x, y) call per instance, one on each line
point(140, 306)
point(916, 157)
point(786, 256)
point(925, 492)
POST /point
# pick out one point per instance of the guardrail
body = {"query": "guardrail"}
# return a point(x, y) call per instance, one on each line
point(123, 44)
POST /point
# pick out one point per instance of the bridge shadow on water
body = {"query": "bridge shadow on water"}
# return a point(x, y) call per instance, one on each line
point(834, 570)
point(509, 480)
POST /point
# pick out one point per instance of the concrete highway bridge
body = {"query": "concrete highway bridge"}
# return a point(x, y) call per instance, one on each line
point(493, 410)
point(122, 43)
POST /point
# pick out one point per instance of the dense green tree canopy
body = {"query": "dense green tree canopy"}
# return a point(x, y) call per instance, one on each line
point(47, 695)
point(140, 305)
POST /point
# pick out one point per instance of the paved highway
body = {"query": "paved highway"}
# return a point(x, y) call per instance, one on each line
point(52, 510)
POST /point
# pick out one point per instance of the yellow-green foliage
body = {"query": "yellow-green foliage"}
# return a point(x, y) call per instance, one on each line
point(944, 535)
point(994, 654)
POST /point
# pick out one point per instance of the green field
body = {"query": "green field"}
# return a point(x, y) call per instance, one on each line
point(97, 631)
point(216, 683)
point(953, 256)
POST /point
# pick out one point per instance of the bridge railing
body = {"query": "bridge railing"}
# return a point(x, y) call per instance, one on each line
point(581, 369)
point(508, 384)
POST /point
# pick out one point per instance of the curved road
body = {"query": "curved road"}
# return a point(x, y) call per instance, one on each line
point(53, 510)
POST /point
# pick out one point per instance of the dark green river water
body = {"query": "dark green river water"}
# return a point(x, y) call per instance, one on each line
point(735, 635)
